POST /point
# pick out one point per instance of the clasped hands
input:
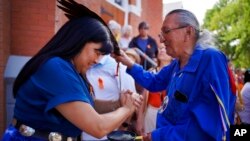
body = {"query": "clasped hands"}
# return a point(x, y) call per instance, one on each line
point(131, 99)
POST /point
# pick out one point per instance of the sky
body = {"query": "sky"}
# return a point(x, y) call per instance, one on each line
point(198, 7)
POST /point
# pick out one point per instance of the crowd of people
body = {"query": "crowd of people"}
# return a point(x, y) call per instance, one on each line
point(93, 77)
point(242, 107)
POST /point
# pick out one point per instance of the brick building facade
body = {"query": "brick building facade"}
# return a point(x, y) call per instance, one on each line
point(26, 25)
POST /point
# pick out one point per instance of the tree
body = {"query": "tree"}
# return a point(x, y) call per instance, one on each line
point(229, 21)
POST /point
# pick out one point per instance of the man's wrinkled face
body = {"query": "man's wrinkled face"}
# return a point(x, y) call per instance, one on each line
point(172, 35)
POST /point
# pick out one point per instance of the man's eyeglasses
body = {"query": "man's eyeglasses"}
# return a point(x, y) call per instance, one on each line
point(169, 30)
point(165, 32)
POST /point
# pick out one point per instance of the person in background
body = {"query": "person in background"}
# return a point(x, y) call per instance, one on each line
point(145, 43)
point(239, 106)
point(108, 79)
point(244, 112)
point(133, 55)
point(239, 78)
point(126, 36)
point(200, 101)
point(55, 102)
point(146, 121)
point(115, 28)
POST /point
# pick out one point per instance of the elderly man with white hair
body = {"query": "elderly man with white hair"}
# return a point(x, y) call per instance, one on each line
point(115, 28)
point(126, 36)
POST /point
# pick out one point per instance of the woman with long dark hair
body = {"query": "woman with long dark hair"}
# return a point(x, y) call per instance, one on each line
point(53, 101)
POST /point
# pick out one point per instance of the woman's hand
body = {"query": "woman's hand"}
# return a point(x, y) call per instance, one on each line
point(131, 100)
point(138, 99)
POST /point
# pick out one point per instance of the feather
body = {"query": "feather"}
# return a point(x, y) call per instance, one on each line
point(74, 10)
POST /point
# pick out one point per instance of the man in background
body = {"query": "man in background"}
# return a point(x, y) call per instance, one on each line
point(145, 43)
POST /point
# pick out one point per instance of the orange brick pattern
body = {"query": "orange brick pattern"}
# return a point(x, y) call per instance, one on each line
point(32, 25)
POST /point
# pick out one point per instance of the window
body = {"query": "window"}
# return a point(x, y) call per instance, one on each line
point(124, 5)
point(119, 2)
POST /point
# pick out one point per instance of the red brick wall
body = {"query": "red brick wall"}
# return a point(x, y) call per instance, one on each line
point(111, 13)
point(4, 52)
point(94, 5)
point(25, 26)
point(152, 13)
point(32, 25)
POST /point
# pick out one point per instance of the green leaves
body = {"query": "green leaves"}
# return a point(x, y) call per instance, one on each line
point(230, 20)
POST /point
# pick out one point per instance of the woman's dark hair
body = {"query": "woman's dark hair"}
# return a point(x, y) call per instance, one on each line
point(67, 43)
point(247, 76)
